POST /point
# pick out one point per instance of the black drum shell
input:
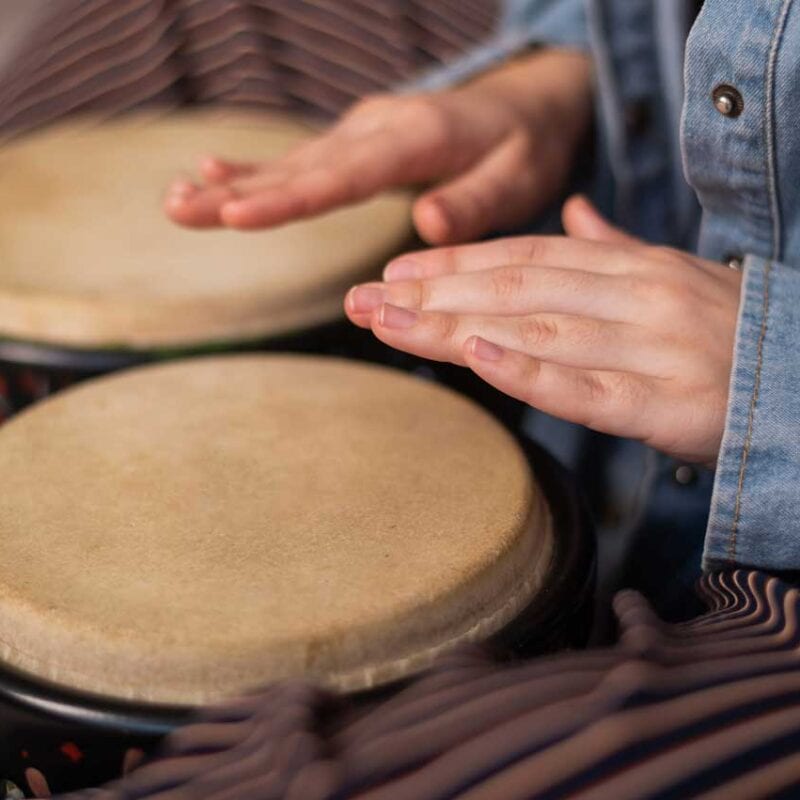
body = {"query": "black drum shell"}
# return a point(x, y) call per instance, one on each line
point(32, 371)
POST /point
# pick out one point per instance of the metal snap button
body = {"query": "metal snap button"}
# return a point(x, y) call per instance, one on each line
point(728, 100)
point(684, 475)
point(733, 260)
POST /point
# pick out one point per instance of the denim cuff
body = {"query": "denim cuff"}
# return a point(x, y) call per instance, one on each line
point(526, 23)
point(755, 506)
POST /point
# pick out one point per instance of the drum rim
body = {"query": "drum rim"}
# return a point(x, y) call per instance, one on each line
point(573, 555)
point(23, 354)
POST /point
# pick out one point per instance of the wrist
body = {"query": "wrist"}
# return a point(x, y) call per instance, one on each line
point(550, 88)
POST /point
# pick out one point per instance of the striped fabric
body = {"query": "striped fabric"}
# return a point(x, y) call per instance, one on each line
point(306, 56)
point(707, 709)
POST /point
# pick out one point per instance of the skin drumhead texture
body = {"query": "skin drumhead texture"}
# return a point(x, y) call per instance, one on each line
point(89, 260)
point(186, 532)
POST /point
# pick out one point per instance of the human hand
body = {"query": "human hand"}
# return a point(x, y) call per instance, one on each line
point(496, 151)
point(597, 328)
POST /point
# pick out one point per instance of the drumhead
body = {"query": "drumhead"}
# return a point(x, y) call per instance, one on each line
point(89, 260)
point(180, 533)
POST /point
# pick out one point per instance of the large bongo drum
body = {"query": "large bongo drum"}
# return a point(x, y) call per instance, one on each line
point(94, 277)
point(180, 533)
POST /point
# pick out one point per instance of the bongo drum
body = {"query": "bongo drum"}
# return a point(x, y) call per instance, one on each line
point(180, 533)
point(94, 277)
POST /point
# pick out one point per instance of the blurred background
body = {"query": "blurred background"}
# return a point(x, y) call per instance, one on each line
point(313, 57)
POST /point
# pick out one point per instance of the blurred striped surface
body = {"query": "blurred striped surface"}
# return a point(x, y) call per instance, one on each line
point(306, 56)
point(709, 708)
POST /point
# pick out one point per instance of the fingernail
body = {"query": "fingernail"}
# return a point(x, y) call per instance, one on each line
point(364, 299)
point(486, 351)
point(399, 318)
point(401, 270)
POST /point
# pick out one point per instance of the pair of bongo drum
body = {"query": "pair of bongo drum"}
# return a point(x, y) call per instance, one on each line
point(187, 531)
point(93, 277)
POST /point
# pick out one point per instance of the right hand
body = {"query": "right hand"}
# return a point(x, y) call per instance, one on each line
point(493, 152)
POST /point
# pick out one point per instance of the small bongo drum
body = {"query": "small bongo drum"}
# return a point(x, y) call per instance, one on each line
point(181, 533)
point(94, 277)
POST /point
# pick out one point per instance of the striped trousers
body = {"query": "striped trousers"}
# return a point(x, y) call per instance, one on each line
point(705, 709)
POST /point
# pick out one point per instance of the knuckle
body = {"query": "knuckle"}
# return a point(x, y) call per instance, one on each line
point(368, 117)
point(644, 289)
point(669, 255)
point(447, 325)
point(530, 380)
point(594, 388)
point(424, 110)
point(609, 397)
point(524, 249)
point(507, 281)
point(584, 332)
point(422, 294)
point(664, 252)
point(575, 282)
point(538, 331)
point(627, 392)
point(450, 258)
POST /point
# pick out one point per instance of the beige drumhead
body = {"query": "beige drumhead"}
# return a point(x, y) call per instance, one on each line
point(88, 259)
point(184, 532)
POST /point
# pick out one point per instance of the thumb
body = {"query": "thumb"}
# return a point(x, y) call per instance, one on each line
point(583, 221)
point(498, 192)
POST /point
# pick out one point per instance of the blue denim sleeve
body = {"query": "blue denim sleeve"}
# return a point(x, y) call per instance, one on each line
point(755, 508)
point(522, 23)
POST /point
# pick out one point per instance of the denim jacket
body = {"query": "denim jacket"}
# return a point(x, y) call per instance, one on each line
point(668, 148)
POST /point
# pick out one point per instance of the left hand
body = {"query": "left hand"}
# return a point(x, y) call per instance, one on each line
point(597, 327)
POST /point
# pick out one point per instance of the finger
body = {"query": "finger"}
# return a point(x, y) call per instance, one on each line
point(610, 402)
point(311, 192)
point(511, 290)
point(292, 198)
point(582, 220)
point(341, 169)
point(573, 341)
point(196, 207)
point(219, 170)
point(497, 192)
point(538, 251)
point(433, 336)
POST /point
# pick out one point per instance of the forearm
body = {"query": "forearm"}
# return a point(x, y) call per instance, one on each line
point(524, 24)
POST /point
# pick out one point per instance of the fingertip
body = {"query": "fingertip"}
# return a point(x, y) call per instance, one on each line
point(574, 210)
point(360, 320)
point(433, 219)
point(179, 210)
point(213, 168)
point(177, 199)
point(582, 220)
point(173, 204)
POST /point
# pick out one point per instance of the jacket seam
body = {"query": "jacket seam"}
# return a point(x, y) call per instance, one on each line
point(748, 439)
point(769, 129)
